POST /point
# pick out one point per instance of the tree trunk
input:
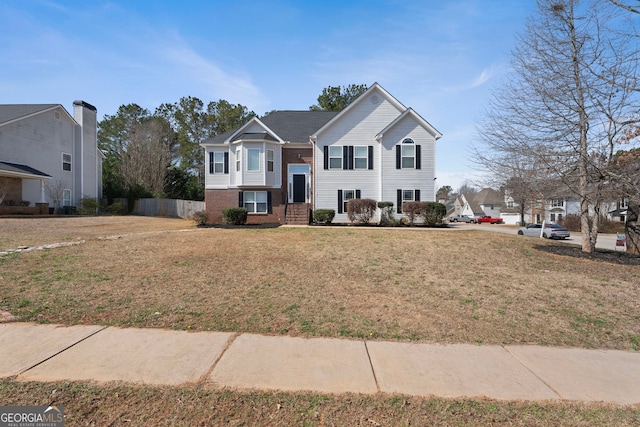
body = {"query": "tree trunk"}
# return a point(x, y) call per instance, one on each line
point(632, 228)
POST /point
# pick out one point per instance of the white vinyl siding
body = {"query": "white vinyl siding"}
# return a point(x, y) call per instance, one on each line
point(357, 128)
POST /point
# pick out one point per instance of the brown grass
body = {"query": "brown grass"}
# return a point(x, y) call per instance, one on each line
point(118, 405)
point(392, 284)
point(448, 286)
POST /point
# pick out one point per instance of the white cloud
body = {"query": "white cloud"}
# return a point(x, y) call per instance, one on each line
point(195, 70)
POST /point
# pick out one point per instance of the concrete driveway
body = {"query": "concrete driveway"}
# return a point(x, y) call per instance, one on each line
point(605, 241)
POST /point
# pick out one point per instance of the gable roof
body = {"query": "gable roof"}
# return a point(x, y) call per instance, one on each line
point(12, 112)
point(488, 196)
point(15, 169)
point(411, 112)
point(358, 100)
point(289, 126)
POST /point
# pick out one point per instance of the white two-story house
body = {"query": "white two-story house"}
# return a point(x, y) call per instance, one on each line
point(47, 153)
point(285, 165)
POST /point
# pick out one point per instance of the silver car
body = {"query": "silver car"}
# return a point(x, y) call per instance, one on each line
point(551, 231)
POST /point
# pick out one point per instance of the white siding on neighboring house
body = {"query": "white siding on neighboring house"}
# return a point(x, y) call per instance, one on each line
point(39, 142)
point(45, 137)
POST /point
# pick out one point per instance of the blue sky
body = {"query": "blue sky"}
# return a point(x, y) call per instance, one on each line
point(439, 57)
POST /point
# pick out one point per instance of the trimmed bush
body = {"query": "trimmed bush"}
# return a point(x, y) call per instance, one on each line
point(433, 213)
point(386, 214)
point(323, 216)
point(234, 216)
point(200, 217)
point(413, 211)
point(361, 210)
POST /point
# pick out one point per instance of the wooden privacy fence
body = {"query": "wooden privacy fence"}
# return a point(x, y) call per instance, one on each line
point(167, 207)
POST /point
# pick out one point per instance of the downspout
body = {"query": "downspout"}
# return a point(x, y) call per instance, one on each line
point(379, 141)
point(313, 140)
point(42, 198)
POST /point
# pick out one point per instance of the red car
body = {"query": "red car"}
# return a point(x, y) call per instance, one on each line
point(489, 219)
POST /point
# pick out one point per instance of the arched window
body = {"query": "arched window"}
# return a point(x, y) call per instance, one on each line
point(408, 154)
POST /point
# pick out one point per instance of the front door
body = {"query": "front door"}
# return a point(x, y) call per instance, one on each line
point(298, 177)
point(299, 188)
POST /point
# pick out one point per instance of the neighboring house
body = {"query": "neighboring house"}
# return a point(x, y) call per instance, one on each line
point(489, 201)
point(44, 150)
point(619, 210)
point(485, 202)
point(288, 163)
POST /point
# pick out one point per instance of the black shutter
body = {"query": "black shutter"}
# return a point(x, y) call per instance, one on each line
point(226, 162)
point(398, 157)
point(345, 157)
point(339, 201)
point(399, 200)
point(240, 199)
point(210, 162)
point(418, 157)
point(357, 194)
point(326, 157)
point(371, 157)
point(351, 157)
point(416, 195)
point(269, 209)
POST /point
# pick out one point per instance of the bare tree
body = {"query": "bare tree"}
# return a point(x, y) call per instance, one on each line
point(4, 188)
point(54, 189)
point(145, 161)
point(570, 97)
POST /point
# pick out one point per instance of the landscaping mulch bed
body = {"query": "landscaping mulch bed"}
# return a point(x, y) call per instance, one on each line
point(616, 257)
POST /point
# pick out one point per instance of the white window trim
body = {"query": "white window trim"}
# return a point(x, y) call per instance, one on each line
point(216, 162)
point(407, 142)
point(249, 151)
point(336, 157)
point(413, 196)
point(270, 161)
point(66, 197)
point(356, 157)
point(255, 202)
point(70, 162)
point(345, 200)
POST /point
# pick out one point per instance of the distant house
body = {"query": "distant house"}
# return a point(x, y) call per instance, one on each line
point(283, 166)
point(486, 202)
point(46, 154)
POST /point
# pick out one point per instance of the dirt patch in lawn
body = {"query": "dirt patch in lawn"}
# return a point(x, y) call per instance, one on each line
point(376, 284)
point(34, 231)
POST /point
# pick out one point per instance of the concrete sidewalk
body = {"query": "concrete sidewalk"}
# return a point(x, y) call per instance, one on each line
point(30, 352)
